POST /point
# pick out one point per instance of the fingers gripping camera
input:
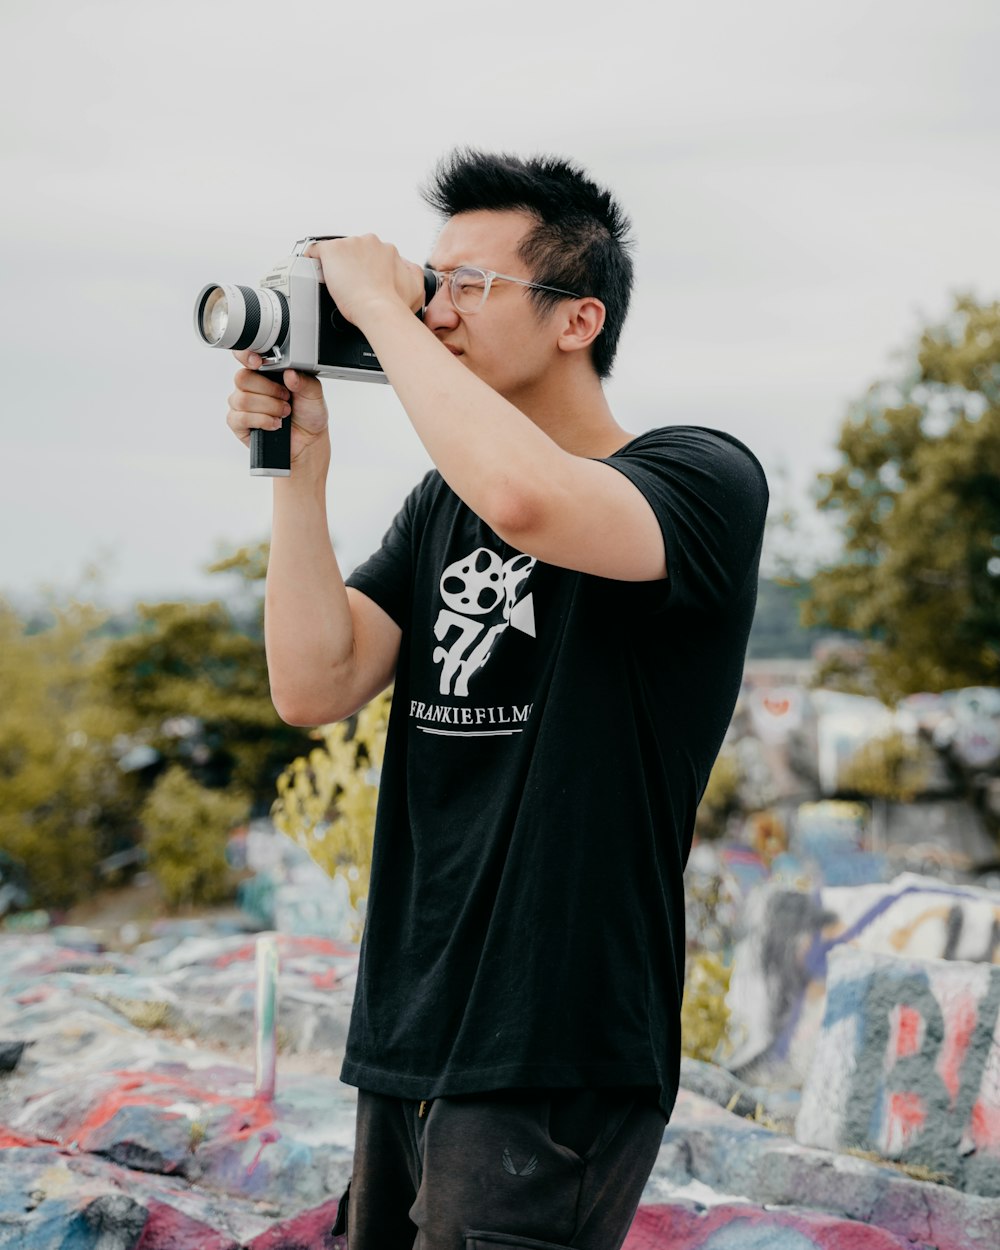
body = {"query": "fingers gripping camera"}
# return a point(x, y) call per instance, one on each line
point(291, 321)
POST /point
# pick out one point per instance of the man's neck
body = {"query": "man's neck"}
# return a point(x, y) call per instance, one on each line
point(574, 412)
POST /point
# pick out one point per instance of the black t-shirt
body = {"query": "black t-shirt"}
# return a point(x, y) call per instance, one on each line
point(550, 737)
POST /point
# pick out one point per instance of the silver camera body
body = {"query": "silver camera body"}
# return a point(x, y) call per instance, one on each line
point(291, 321)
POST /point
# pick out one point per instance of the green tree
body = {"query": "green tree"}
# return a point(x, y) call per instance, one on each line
point(64, 802)
point(721, 797)
point(80, 688)
point(204, 663)
point(917, 492)
point(187, 827)
point(885, 768)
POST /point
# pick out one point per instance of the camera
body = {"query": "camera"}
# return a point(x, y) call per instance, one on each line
point(291, 321)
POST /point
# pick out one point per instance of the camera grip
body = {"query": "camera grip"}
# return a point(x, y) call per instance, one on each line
point(271, 451)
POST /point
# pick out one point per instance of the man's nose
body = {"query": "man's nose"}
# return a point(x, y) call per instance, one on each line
point(441, 313)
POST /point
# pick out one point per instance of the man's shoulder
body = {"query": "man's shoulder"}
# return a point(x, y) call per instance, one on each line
point(693, 451)
point(680, 439)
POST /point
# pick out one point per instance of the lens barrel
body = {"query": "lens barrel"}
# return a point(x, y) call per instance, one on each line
point(241, 317)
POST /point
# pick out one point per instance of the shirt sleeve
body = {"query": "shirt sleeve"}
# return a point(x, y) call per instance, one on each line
point(710, 496)
point(386, 577)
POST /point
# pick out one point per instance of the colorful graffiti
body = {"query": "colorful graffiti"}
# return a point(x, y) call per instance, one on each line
point(732, 1226)
point(777, 990)
point(908, 1064)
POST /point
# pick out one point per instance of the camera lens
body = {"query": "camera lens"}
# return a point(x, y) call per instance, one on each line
point(215, 317)
point(241, 317)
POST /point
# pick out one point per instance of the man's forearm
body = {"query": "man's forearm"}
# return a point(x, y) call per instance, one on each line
point(308, 627)
point(489, 453)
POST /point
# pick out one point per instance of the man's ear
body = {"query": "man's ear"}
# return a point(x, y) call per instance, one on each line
point(584, 321)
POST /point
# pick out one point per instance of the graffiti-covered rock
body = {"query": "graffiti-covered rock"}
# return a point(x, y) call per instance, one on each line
point(777, 990)
point(713, 1156)
point(907, 1064)
point(743, 1226)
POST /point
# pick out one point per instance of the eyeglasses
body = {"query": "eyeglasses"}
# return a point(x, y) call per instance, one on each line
point(469, 286)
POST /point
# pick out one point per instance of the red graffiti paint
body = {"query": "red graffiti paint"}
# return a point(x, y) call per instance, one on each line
point(327, 980)
point(157, 1089)
point(909, 1024)
point(170, 1229)
point(682, 1228)
point(267, 1137)
point(986, 1126)
point(9, 1138)
point(906, 1118)
point(958, 1029)
point(37, 994)
point(312, 1228)
point(777, 707)
point(289, 948)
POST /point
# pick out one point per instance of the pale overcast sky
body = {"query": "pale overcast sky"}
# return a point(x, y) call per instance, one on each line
point(808, 184)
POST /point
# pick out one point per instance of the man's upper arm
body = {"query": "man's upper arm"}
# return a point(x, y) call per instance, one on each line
point(376, 650)
point(683, 501)
point(594, 519)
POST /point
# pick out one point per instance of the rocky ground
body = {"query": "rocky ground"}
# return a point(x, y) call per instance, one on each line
point(129, 1118)
point(859, 1108)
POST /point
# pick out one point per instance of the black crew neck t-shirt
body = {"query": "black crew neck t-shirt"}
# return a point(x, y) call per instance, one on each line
point(550, 737)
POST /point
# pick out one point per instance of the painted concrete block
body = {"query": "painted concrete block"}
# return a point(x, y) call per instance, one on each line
point(733, 1226)
point(713, 1156)
point(777, 991)
point(908, 1064)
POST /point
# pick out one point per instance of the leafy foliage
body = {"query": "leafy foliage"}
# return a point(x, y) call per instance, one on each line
point(326, 800)
point(704, 1013)
point(721, 796)
point(180, 684)
point(885, 768)
point(187, 827)
point(918, 491)
point(188, 660)
point(64, 803)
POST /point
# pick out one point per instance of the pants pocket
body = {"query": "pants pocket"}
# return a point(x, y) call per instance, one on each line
point(508, 1241)
point(584, 1120)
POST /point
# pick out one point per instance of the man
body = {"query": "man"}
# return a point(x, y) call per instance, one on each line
point(564, 609)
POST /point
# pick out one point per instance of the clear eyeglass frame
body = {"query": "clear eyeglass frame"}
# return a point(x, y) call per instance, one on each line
point(469, 286)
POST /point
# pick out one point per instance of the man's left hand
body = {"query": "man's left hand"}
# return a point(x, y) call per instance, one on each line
point(362, 272)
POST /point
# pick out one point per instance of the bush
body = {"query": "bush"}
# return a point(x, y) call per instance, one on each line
point(721, 797)
point(192, 661)
point(187, 828)
point(885, 768)
point(326, 800)
point(64, 803)
point(704, 1013)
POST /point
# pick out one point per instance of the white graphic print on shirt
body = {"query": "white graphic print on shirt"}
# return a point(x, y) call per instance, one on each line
point(479, 585)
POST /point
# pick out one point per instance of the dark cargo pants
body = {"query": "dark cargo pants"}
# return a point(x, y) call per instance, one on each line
point(516, 1170)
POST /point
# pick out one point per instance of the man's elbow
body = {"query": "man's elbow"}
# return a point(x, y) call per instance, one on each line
point(514, 515)
point(305, 709)
point(295, 715)
point(295, 710)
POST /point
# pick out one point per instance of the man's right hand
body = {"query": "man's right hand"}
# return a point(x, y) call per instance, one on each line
point(261, 400)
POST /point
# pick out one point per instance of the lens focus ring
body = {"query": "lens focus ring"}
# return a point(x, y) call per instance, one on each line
point(241, 317)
